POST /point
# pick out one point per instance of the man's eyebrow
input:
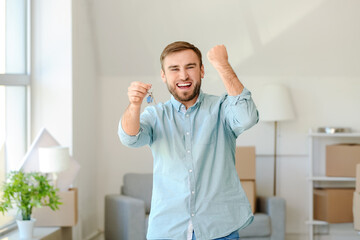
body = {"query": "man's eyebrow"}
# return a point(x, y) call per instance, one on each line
point(173, 66)
point(187, 65)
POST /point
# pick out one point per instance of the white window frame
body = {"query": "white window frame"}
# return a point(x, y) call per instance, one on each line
point(20, 79)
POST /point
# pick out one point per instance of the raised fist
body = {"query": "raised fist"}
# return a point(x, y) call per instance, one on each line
point(218, 56)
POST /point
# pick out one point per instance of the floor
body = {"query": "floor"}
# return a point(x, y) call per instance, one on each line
point(100, 237)
point(321, 237)
point(340, 231)
point(333, 232)
point(297, 237)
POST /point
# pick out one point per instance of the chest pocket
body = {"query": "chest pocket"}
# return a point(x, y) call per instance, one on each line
point(205, 131)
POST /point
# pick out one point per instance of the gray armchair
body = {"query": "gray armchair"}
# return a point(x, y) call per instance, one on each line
point(127, 214)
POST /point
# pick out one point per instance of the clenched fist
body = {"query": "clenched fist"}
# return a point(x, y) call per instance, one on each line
point(137, 92)
point(218, 56)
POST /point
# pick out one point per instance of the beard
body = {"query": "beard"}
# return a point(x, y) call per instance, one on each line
point(186, 96)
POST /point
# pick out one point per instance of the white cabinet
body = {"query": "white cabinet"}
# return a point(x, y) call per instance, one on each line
point(317, 164)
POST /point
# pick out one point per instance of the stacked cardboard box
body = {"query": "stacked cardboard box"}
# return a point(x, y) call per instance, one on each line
point(65, 216)
point(333, 205)
point(356, 200)
point(245, 166)
point(250, 190)
point(341, 159)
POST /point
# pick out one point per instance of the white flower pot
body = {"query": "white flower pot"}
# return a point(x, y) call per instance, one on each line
point(26, 228)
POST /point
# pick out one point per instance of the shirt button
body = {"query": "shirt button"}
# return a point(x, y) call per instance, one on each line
point(187, 133)
point(192, 192)
point(187, 115)
point(188, 151)
point(190, 170)
point(192, 215)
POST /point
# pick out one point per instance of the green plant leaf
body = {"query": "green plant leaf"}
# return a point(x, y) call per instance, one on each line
point(28, 190)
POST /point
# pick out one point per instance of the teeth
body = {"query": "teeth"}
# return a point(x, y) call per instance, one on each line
point(184, 84)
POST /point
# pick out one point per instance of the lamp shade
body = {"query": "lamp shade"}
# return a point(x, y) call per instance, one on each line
point(275, 103)
point(53, 159)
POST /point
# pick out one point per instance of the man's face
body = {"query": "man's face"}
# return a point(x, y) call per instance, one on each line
point(182, 74)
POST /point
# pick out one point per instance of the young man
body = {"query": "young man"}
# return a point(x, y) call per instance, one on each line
point(196, 190)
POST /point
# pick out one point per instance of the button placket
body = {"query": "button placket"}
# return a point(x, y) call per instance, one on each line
point(189, 158)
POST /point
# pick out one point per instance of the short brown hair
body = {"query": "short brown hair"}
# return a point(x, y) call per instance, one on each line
point(176, 47)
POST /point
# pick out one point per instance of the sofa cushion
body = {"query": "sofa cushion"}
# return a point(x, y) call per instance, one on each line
point(138, 186)
point(260, 227)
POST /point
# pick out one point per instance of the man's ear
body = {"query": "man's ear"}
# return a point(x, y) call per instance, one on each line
point(163, 77)
point(202, 71)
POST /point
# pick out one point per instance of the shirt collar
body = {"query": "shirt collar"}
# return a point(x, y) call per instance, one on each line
point(177, 105)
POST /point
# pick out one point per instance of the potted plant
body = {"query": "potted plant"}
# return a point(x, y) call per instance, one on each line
point(26, 191)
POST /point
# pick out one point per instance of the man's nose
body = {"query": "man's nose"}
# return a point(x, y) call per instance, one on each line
point(183, 74)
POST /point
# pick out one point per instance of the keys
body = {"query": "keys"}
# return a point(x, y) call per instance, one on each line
point(150, 98)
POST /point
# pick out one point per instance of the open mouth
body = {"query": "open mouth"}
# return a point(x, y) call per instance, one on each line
point(183, 85)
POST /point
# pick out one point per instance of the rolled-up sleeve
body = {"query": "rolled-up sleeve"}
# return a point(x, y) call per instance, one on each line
point(240, 112)
point(144, 135)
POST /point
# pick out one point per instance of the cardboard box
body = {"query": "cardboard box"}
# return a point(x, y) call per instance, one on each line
point(333, 205)
point(357, 187)
point(245, 163)
point(250, 191)
point(65, 216)
point(341, 160)
point(356, 210)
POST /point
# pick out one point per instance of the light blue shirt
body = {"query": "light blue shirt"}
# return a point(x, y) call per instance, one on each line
point(194, 175)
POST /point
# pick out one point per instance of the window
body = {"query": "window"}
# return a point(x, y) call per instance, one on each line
point(14, 86)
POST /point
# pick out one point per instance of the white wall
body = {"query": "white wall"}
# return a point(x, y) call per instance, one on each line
point(310, 46)
point(51, 83)
point(64, 93)
point(85, 116)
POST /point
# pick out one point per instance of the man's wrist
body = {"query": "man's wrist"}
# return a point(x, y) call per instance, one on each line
point(134, 107)
point(222, 66)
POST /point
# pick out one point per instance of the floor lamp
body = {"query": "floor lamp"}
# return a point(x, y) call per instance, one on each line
point(275, 105)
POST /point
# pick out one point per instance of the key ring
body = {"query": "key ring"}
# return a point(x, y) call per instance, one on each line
point(150, 98)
